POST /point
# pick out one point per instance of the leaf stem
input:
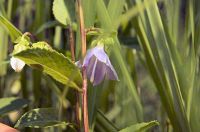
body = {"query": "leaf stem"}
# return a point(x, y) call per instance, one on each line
point(83, 48)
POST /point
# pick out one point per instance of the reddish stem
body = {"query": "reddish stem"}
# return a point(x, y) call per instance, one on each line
point(71, 41)
point(84, 99)
point(84, 87)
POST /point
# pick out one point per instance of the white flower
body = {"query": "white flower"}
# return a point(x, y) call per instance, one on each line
point(17, 64)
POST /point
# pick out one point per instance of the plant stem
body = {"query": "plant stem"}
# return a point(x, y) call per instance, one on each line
point(85, 106)
point(71, 41)
point(84, 87)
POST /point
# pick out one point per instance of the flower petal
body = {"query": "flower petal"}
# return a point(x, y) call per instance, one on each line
point(88, 57)
point(100, 54)
point(111, 73)
point(98, 66)
point(90, 66)
point(98, 51)
point(92, 75)
point(99, 73)
point(96, 71)
point(17, 64)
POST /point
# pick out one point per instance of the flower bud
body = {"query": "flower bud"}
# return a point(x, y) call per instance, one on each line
point(17, 64)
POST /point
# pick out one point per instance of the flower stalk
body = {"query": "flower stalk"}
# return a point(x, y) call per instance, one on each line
point(84, 73)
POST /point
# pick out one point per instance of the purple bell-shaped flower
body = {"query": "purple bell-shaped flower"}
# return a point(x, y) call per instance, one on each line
point(98, 66)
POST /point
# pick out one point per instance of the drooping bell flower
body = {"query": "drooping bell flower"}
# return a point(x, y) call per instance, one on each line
point(98, 66)
point(17, 64)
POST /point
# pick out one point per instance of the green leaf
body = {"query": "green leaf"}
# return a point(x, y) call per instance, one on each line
point(104, 123)
point(10, 104)
point(89, 11)
point(49, 24)
point(132, 12)
point(103, 16)
point(115, 8)
point(140, 127)
point(3, 41)
point(64, 11)
point(13, 31)
point(42, 45)
point(53, 63)
point(22, 43)
point(162, 65)
point(41, 117)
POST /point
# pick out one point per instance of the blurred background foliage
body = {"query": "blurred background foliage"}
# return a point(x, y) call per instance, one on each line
point(153, 45)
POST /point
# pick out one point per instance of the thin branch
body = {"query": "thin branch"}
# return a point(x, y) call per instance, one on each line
point(72, 45)
point(83, 46)
point(71, 41)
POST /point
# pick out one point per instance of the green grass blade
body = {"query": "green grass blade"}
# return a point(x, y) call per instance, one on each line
point(140, 127)
point(162, 52)
point(103, 15)
point(12, 30)
point(115, 9)
point(89, 11)
point(105, 124)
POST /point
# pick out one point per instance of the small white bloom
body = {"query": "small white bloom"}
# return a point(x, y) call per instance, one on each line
point(17, 64)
